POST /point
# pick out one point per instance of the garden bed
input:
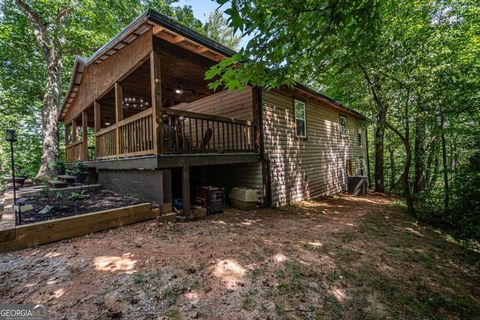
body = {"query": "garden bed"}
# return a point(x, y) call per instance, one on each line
point(68, 204)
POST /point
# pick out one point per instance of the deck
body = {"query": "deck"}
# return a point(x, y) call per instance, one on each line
point(185, 138)
point(172, 161)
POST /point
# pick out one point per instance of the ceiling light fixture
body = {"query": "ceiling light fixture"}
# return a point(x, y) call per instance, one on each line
point(134, 103)
point(179, 89)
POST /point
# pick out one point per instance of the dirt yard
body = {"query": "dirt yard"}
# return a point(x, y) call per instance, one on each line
point(342, 258)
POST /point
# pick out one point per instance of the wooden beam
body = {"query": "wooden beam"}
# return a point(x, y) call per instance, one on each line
point(97, 116)
point(34, 234)
point(85, 136)
point(178, 39)
point(156, 96)
point(202, 50)
point(186, 191)
point(118, 113)
point(158, 29)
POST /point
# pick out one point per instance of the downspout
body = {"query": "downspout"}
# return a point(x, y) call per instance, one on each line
point(265, 161)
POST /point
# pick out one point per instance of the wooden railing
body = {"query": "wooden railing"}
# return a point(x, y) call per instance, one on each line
point(106, 143)
point(74, 151)
point(136, 135)
point(188, 132)
point(182, 132)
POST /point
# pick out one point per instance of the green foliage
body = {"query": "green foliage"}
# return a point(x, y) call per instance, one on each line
point(416, 60)
point(77, 195)
point(465, 211)
point(292, 39)
point(78, 168)
point(58, 165)
point(217, 28)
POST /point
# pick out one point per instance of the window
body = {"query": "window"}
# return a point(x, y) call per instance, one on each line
point(359, 136)
point(361, 165)
point(349, 167)
point(300, 118)
point(343, 125)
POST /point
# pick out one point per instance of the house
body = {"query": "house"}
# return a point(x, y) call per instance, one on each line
point(139, 113)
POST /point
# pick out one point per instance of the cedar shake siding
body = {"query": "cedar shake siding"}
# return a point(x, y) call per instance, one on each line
point(313, 166)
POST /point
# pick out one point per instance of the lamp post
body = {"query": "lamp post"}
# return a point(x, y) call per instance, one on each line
point(12, 137)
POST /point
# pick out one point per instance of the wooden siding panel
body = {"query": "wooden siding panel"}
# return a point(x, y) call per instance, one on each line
point(312, 167)
point(229, 104)
point(99, 78)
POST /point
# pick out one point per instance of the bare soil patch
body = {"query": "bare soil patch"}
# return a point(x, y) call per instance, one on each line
point(342, 258)
point(67, 204)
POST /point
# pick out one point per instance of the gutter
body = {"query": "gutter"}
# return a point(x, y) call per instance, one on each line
point(189, 33)
point(336, 103)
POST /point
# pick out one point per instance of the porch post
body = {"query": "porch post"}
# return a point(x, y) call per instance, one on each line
point(186, 190)
point(74, 130)
point(97, 115)
point(118, 114)
point(97, 122)
point(67, 128)
point(156, 92)
point(85, 135)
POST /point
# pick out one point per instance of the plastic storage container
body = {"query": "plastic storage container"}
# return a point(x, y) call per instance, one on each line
point(243, 198)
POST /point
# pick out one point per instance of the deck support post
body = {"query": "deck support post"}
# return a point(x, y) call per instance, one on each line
point(118, 114)
point(85, 136)
point(186, 190)
point(74, 130)
point(97, 122)
point(156, 96)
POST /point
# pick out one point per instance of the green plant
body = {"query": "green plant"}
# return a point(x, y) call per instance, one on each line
point(77, 195)
point(44, 191)
point(57, 165)
point(170, 296)
point(78, 168)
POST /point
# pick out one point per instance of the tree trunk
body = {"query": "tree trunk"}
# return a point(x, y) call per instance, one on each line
point(445, 165)
point(392, 168)
point(379, 134)
point(50, 44)
point(420, 165)
point(379, 151)
point(405, 176)
point(408, 157)
point(50, 114)
point(432, 165)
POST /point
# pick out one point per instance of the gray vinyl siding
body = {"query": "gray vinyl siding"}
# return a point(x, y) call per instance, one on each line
point(315, 166)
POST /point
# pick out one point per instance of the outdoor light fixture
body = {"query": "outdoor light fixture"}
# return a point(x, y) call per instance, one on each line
point(179, 89)
point(11, 136)
point(134, 103)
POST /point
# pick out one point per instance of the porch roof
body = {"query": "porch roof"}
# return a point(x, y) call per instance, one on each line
point(197, 43)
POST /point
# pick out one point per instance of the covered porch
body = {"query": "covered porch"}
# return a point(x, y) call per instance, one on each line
point(163, 106)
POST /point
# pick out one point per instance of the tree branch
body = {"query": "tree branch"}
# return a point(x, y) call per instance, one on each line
point(39, 27)
point(376, 97)
point(396, 131)
point(62, 14)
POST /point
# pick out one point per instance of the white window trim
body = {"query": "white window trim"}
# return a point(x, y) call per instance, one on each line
point(304, 117)
point(343, 133)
